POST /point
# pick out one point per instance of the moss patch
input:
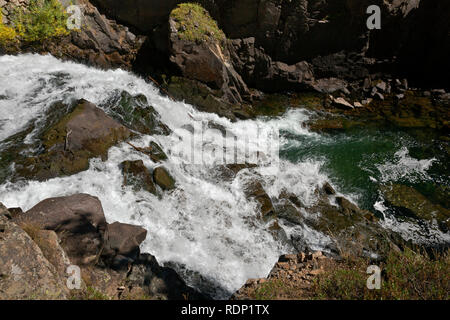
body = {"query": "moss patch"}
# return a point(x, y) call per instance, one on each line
point(194, 23)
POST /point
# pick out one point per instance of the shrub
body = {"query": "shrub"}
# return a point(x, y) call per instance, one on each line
point(42, 19)
point(7, 34)
point(195, 24)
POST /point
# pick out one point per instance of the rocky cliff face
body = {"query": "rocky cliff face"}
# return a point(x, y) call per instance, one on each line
point(413, 31)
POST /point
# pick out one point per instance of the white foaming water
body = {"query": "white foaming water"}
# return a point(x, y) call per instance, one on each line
point(405, 167)
point(206, 225)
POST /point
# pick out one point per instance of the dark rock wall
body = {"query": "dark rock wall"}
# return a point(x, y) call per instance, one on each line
point(297, 30)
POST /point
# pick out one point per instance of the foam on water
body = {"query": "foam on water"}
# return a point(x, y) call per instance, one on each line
point(405, 167)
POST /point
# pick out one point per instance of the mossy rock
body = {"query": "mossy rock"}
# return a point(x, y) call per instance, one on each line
point(68, 144)
point(163, 178)
point(411, 202)
point(135, 113)
point(195, 24)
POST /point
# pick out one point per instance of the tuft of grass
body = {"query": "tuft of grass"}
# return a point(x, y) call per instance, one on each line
point(41, 20)
point(90, 293)
point(195, 24)
point(406, 275)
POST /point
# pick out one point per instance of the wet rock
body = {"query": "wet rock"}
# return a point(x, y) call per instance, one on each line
point(135, 174)
point(25, 273)
point(329, 190)
point(84, 133)
point(163, 178)
point(255, 190)
point(203, 97)
point(135, 113)
point(78, 220)
point(154, 151)
point(410, 201)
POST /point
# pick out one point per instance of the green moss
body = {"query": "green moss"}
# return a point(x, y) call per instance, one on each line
point(194, 23)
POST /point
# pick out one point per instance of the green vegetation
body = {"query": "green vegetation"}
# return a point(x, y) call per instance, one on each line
point(90, 293)
point(7, 34)
point(271, 290)
point(407, 275)
point(40, 20)
point(194, 23)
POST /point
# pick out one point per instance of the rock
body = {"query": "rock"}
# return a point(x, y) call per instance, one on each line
point(261, 72)
point(205, 46)
point(411, 202)
point(135, 113)
point(382, 86)
point(160, 283)
point(205, 98)
point(100, 42)
point(67, 145)
point(329, 190)
point(25, 273)
point(163, 178)
point(78, 220)
point(135, 174)
point(342, 103)
point(122, 240)
point(154, 151)
point(254, 190)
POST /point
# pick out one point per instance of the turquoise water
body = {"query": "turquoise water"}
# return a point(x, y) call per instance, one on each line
point(358, 161)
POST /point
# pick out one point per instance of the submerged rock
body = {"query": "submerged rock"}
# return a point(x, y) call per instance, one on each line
point(410, 201)
point(352, 230)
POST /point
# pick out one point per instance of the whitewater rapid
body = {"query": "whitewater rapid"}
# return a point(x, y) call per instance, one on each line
point(207, 225)
point(206, 228)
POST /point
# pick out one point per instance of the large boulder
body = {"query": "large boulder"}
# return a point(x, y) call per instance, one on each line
point(78, 220)
point(69, 143)
point(25, 272)
point(195, 40)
